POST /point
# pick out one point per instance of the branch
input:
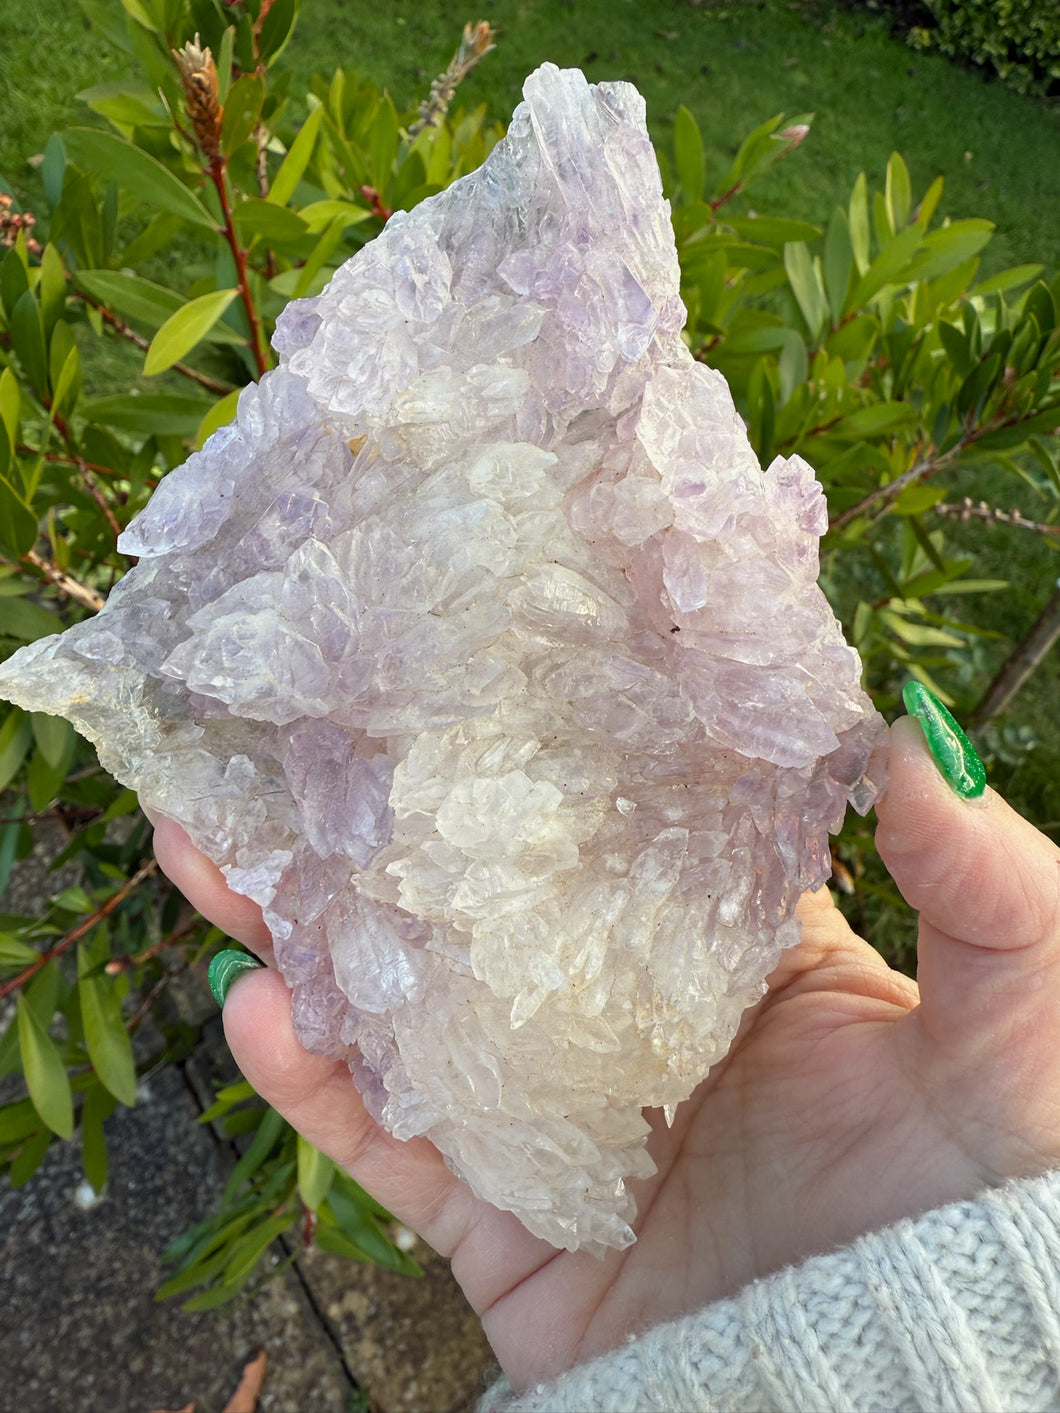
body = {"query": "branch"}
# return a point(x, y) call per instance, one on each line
point(79, 592)
point(198, 76)
point(993, 515)
point(1020, 664)
point(67, 941)
point(883, 495)
point(98, 496)
point(476, 43)
point(218, 170)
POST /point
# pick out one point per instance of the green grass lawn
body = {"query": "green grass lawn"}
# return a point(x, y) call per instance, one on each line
point(734, 63)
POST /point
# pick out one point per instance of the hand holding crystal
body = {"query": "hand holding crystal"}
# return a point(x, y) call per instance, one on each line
point(849, 1099)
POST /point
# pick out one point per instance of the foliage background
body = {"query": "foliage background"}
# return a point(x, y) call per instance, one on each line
point(820, 294)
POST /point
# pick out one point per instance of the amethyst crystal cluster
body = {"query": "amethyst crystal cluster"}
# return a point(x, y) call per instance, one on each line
point(482, 654)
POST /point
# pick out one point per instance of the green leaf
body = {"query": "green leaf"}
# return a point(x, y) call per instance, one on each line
point(273, 223)
point(792, 366)
point(66, 382)
point(126, 105)
point(916, 499)
point(136, 171)
point(919, 635)
point(14, 279)
point(242, 111)
point(838, 263)
point(74, 900)
point(776, 231)
point(18, 534)
point(184, 329)
point(24, 620)
point(358, 1216)
point(136, 11)
point(219, 415)
point(322, 252)
point(874, 421)
point(97, 1107)
point(52, 289)
point(106, 1038)
point(688, 154)
point(1008, 438)
point(293, 166)
point(855, 339)
point(277, 29)
point(806, 286)
point(223, 56)
point(315, 1171)
point(129, 295)
point(930, 201)
point(17, 1120)
point(53, 735)
point(762, 407)
point(320, 214)
point(10, 404)
point(152, 414)
point(15, 954)
point(271, 1129)
point(16, 733)
point(1007, 280)
point(27, 336)
point(973, 586)
point(30, 1156)
point(248, 1251)
point(889, 266)
point(46, 1077)
point(950, 246)
point(43, 780)
point(956, 345)
point(898, 191)
point(859, 223)
point(383, 144)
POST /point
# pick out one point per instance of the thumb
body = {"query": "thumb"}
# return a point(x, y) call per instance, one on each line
point(987, 886)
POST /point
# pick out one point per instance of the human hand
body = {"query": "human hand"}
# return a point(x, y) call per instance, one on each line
point(849, 1099)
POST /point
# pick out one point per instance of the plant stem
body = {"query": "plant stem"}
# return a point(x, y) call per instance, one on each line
point(68, 940)
point(883, 495)
point(993, 515)
point(1020, 664)
point(79, 592)
point(218, 175)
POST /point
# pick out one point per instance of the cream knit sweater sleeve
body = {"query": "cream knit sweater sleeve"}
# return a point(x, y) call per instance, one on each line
point(957, 1311)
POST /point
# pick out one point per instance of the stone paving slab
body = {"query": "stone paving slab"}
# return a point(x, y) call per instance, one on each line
point(83, 1333)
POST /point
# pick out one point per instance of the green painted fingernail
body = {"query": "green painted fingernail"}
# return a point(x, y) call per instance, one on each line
point(953, 753)
point(224, 969)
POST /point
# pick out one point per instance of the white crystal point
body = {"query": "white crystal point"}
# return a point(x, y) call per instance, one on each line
point(481, 652)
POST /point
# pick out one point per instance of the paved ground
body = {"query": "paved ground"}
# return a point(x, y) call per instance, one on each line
point(82, 1332)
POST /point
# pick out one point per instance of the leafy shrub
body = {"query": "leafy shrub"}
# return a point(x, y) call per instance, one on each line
point(139, 303)
point(1019, 40)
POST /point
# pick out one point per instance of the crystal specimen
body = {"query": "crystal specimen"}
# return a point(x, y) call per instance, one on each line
point(481, 652)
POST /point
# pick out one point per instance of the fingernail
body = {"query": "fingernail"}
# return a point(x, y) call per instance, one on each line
point(224, 969)
point(953, 753)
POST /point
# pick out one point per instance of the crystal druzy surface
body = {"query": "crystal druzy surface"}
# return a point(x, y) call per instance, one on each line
point(481, 652)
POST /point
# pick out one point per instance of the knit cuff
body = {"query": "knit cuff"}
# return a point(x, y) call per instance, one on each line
point(956, 1310)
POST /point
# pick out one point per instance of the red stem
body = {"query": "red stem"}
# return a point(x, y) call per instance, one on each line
point(218, 177)
point(67, 941)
